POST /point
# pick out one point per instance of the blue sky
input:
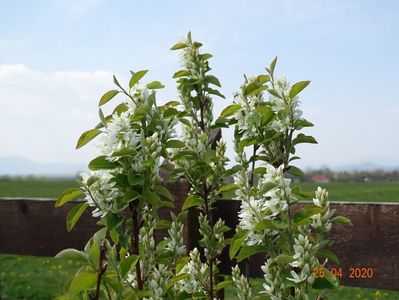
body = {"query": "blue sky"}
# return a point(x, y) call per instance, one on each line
point(57, 58)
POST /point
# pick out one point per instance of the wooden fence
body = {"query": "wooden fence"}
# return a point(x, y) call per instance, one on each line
point(35, 227)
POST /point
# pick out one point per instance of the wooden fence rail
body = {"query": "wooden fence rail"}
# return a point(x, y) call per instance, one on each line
point(35, 227)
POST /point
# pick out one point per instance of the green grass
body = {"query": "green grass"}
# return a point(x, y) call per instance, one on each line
point(343, 293)
point(34, 187)
point(39, 278)
point(358, 191)
point(354, 191)
point(42, 278)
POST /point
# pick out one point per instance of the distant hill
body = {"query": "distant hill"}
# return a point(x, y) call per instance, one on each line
point(19, 166)
point(366, 166)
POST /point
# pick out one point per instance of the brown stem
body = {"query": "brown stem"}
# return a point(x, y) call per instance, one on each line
point(135, 244)
point(101, 270)
point(211, 279)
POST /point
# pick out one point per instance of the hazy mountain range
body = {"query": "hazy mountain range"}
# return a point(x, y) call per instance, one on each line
point(20, 166)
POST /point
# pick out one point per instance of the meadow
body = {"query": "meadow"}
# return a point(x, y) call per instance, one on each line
point(24, 277)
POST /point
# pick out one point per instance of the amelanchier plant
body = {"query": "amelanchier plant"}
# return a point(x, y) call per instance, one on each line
point(267, 116)
point(122, 261)
point(201, 165)
point(125, 192)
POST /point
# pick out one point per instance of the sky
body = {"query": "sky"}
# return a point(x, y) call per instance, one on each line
point(57, 58)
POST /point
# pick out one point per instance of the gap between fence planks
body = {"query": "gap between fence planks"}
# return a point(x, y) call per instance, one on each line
point(36, 227)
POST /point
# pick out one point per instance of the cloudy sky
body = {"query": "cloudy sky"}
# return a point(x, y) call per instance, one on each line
point(57, 58)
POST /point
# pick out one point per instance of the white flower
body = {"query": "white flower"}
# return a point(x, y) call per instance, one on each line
point(118, 135)
point(100, 191)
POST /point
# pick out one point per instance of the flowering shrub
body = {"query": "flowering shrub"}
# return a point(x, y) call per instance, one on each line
point(124, 191)
point(267, 116)
point(201, 164)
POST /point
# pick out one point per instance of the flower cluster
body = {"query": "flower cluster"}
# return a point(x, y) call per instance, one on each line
point(241, 282)
point(197, 275)
point(273, 194)
point(304, 259)
point(158, 282)
point(322, 222)
point(273, 286)
point(100, 192)
point(147, 243)
point(287, 108)
point(175, 243)
point(245, 115)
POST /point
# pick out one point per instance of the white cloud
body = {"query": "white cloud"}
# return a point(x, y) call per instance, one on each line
point(44, 113)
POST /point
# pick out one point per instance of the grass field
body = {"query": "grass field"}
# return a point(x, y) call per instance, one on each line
point(34, 187)
point(354, 191)
point(42, 278)
point(358, 191)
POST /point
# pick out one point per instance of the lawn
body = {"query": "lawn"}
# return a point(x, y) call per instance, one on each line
point(42, 278)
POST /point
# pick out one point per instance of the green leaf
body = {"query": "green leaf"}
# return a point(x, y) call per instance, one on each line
point(307, 212)
point(271, 224)
point(82, 281)
point(212, 79)
point(223, 284)
point(107, 96)
point(68, 195)
point(266, 113)
point(205, 56)
point(237, 242)
point(248, 251)
point(328, 254)
point(86, 137)
point(179, 46)
point(74, 214)
point(181, 73)
point(72, 254)
point(228, 187)
point(273, 65)
point(177, 278)
point(116, 82)
point(192, 200)
point(274, 93)
point(322, 283)
point(161, 190)
point(259, 170)
point(253, 89)
point(301, 138)
point(175, 144)
point(163, 224)
point(114, 221)
point(298, 87)
point(154, 199)
point(284, 259)
point(131, 195)
point(101, 163)
point(136, 77)
point(262, 78)
point(127, 264)
point(295, 171)
point(300, 123)
point(215, 92)
point(342, 220)
point(229, 110)
point(155, 85)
